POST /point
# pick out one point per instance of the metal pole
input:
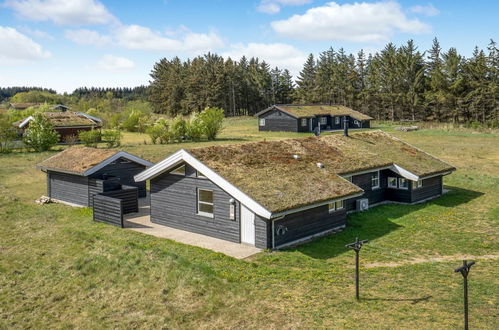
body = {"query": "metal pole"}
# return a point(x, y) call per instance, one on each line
point(466, 302)
point(357, 295)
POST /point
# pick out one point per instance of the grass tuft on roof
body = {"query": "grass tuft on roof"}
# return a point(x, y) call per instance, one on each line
point(268, 172)
point(76, 160)
point(313, 110)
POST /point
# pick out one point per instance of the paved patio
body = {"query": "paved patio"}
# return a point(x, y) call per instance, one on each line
point(141, 222)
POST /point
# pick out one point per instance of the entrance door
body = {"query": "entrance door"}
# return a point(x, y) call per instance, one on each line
point(247, 226)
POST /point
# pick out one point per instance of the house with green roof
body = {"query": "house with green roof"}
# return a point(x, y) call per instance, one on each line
point(272, 194)
point(310, 118)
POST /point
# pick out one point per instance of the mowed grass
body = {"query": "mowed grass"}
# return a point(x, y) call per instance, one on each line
point(59, 269)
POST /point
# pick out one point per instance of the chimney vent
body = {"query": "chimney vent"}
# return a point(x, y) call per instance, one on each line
point(296, 156)
point(320, 165)
point(345, 126)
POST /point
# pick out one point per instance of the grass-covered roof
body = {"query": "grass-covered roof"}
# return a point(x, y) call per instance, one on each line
point(313, 110)
point(62, 119)
point(77, 159)
point(268, 172)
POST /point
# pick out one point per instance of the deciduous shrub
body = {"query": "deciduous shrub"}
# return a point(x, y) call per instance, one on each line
point(40, 135)
point(71, 139)
point(194, 129)
point(90, 138)
point(178, 129)
point(8, 135)
point(112, 137)
point(212, 119)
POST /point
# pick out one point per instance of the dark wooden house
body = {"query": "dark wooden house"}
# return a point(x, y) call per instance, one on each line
point(277, 193)
point(77, 173)
point(66, 123)
point(309, 118)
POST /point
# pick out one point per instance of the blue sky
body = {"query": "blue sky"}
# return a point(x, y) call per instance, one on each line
point(65, 44)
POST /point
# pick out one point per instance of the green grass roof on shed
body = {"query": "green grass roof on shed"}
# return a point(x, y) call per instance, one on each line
point(76, 160)
point(313, 110)
point(268, 172)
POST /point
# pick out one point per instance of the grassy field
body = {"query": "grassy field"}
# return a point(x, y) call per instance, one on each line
point(59, 269)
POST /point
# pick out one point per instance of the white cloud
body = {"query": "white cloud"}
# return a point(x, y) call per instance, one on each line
point(88, 37)
point(428, 10)
point(358, 22)
point(274, 6)
point(277, 54)
point(36, 33)
point(143, 38)
point(18, 48)
point(63, 12)
point(115, 63)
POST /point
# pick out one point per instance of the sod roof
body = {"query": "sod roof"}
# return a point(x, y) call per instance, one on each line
point(268, 173)
point(314, 110)
point(63, 119)
point(77, 159)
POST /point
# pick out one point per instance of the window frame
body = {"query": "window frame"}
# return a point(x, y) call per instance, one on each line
point(232, 210)
point(177, 168)
point(337, 120)
point(262, 121)
point(341, 203)
point(304, 122)
point(349, 178)
point(400, 180)
point(331, 209)
point(375, 177)
point(393, 178)
point(335, 206)
point(418, 184)
point(323, 120)
point(198, 201)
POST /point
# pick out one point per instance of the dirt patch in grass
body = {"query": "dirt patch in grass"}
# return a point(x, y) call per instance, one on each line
point(420, 260)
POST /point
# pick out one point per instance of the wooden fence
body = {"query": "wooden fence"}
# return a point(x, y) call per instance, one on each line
point(108, 209)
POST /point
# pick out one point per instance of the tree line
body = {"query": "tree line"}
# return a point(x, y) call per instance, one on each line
point(397, 83)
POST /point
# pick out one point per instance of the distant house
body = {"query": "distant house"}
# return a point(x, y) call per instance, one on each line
point(276, 193)
point(22, 106)
point(76, 174)
point(65, 123)
point(308, 118)
point(60, 107)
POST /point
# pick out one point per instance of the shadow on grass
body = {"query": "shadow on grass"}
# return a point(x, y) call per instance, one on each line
point(376, 223)
point(413, 301)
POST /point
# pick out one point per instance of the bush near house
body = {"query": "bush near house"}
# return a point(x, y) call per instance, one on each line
point(40, 135)
point(212, 119)
point(90, 138)
point(112, 137)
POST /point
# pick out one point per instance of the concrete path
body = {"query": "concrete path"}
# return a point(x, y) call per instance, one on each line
point(141, 222)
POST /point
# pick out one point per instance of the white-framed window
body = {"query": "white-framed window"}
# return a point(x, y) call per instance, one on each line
point(418, 184)
point(200, 175)
point(262, 121)
point(349, 178)
point(403, 183)
point(304, 121)
point(337, 120)
point(205, 202)
point(335, 206)
point(392, 182)
point(179, 170)
point(375, 180)
point(323, 120)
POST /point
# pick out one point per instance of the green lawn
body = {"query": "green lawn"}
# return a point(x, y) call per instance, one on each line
point(59, 269)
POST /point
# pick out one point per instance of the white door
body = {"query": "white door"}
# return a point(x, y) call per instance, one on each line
point(247, 226)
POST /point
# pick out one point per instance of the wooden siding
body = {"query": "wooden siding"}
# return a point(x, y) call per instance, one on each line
point(174, 204)
point(125, 170)
point(108, 209)
point(306, 223)
point(68, 187)
point(278, 121)
point(129, 197)
point(431, 187)
point(263, 233)
point(97, 186)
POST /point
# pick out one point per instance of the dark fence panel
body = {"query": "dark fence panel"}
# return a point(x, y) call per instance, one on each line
point(128, 195)
point(108, 209)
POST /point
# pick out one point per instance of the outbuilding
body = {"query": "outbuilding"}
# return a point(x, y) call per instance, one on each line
point(275, 193)
point(76, 174)
point(310, 118)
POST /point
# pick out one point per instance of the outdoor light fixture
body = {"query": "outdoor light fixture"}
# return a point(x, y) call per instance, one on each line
point(232, 209)
point(356, 246)
point(465, 270)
